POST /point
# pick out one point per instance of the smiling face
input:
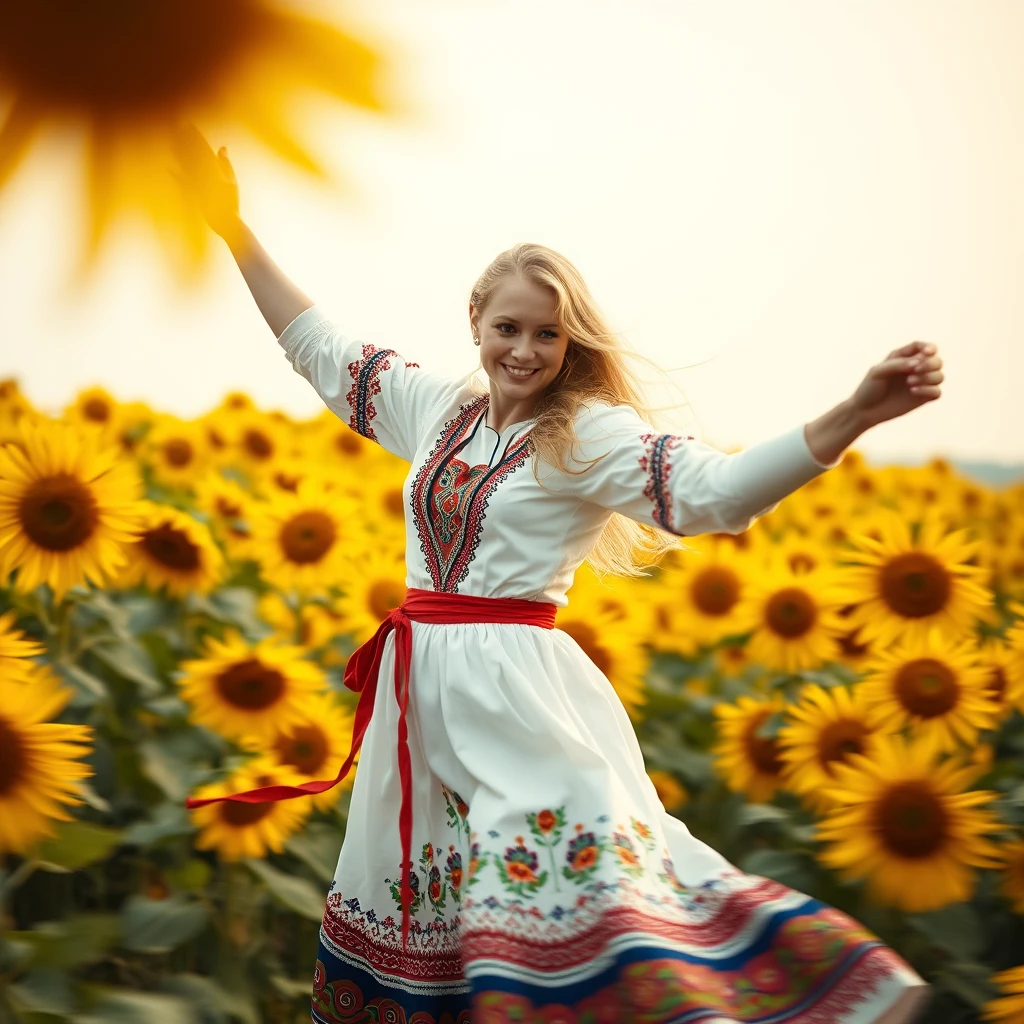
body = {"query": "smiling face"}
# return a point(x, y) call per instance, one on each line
point(518, 331)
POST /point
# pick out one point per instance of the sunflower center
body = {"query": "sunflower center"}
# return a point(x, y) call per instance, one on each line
point(96, 410)
point(171, 548)
point(790, 612)
point(308, 536)
point(257, 444)
point(250, 685)
point(287, 481)
point(216, 438)
point(911, 819)
point(851, 647)
point(347, 442)
point(58, 512)
point(714, 591)
point(763, 751)
point(394, 503)
point(384, 596)
point(927, 687)
point(305, 748)
point(240, 815)
point(838, 739)
point(996, 683)
point(586, 636)
point(801, 561)
point(178, 452)
point(915, 585)
point(13, 757)
point(228, 508)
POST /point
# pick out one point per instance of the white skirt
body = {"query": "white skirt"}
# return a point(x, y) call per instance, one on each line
point(550, 883)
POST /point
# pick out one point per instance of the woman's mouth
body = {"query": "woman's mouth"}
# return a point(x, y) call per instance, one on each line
point(519, 373)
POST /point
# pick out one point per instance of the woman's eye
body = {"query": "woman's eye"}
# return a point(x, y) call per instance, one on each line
point(551, 333)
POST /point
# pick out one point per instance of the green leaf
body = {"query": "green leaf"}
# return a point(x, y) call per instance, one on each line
point(213, 1005)
point(972, 986)
point(759, 814)
point(122, 1006)
point(955, 928)
point(194, 875)
point(784, 867)
point(296, 893)
point(43, 990)
point(318, 845)
point(73, 942)
point(132, 661)
point(76, 845)
point(163, 766)
point(89, 689)
point(155, 926)
point(169, 820)
point(291, 988)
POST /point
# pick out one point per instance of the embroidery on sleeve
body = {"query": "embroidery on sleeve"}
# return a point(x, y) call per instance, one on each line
point(365, 374)
point(656, 462)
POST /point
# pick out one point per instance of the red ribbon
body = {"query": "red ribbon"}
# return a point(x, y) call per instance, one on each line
point(361, 676)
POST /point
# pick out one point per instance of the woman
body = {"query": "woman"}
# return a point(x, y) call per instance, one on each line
point(506, 856)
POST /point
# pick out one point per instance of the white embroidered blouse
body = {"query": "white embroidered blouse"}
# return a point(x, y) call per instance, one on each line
point(477, 519)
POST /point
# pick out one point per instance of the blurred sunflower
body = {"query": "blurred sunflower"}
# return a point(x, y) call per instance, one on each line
point(670, 790)
point(316, 747)
point(94, 407)
point(229, 507)
point(241, 689)
point(907, 824)
point(374, 585)
point(16, 649)
point(1012, 874)
point(239, 831)
point(174, 552)
point(823, 729)
point(611, 645)
point(40, 762)
point(315, 625)
point(903, 586)
point(745, 757)
point(304, 540)
point(175, 451)
point(134, 420)
point(217, 433)
point(258, 441)
point(1004, 674)
point(69, 507)
point(851, 649)
point(1008, 1009)
point(793, 616)
point(338, 444)
point(127, 73)
point(732, 660)
point(935, 685)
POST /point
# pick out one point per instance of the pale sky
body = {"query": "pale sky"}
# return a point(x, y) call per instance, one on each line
point(780, 191)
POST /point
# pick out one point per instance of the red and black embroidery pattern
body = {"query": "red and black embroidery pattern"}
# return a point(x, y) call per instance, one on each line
point(449, 498)
point(656, 462)
point(365, 374)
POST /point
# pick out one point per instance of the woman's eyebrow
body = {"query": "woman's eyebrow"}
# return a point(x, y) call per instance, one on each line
point(505, 316)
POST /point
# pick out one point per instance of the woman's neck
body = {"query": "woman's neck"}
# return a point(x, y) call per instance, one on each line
point(503, 412)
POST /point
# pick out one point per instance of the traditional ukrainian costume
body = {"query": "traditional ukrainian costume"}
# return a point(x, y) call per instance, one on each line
point(544, 879)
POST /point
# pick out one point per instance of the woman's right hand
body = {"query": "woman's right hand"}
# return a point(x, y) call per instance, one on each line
point(209, 179)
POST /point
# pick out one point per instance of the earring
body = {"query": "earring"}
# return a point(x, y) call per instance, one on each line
point(476, 340)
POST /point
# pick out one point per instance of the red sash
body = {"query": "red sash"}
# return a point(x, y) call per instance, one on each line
point(361, 676)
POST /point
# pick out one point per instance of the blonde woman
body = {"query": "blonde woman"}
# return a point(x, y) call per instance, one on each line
point(482, 877)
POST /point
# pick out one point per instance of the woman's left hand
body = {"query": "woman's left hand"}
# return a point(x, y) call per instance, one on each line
point(907, 379)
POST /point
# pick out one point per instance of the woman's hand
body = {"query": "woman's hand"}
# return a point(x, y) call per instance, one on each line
point(209, 179)
point(907, 379)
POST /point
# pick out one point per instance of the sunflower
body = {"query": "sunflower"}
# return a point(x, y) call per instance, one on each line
point(374, 585)
point(792, 616)
point(134, 421)
point(903, 586)
point(94, 407)
point(229, 507)
point(257, 442)
point(825, 728)
point(175, 451)
point(616, 649)
point(68, 508)
point(241, 689)
point(314, 626)
point(15, 649)
point(851, 649)
point(934, 685)
point(175, 552)
point(747, 760)
point(1012, 874)
point(128, 73)
point(1008, 1009)
point(732, 660)
point(316, 747)
point(907, 824)
point(337, 443)
point(239, 831)
point(40, 761)
point(1004, 674)
point(670, 790)
point(304, 540)
point(217, 435)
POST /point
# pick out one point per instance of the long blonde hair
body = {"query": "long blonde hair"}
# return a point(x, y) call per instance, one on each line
point(595, 369)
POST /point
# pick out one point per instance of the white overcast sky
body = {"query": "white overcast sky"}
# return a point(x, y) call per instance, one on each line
point(780, 191)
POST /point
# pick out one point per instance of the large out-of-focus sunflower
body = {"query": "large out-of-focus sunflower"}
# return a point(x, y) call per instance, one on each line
point(69, 507)
point(239, 831)
point(127, 73)
point(1007, 1009)
point(374, 585)
point(902, 586)
point(907, 824)
point(173, 552)
point(240, 689)
point(936, 686)
point(747, 760)
point(793, 616)
point(316, 747)
point(825, 728)
point(16, 649)
point(304, 541)
point(40, 761)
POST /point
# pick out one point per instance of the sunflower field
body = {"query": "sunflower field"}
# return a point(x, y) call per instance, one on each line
point(833, 699)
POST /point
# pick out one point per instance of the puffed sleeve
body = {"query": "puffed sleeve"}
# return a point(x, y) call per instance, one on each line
point(374, 390)
point(680, 484)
